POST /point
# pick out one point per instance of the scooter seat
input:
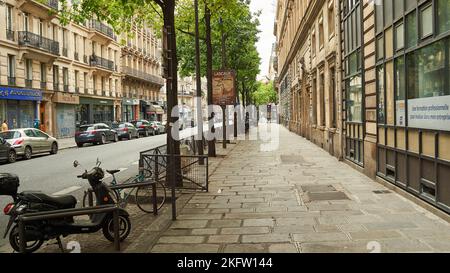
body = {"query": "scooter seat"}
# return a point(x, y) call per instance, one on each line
point(62, 202)
point(112, 171)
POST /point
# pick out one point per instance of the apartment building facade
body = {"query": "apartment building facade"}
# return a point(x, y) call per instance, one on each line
point(393, 89)
point(59, 75)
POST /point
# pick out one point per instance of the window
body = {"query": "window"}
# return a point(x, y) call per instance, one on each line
point(321, 34)
point(400, 91)
point(43, 73)
point(379, 17)
point(11, 66)
point(75, 43)
point(9, 17)
point(28, 72)
point(55, 32)
point(399, 37)
point(314, 101)
point(389, 43)
point(26, 22)
point(56, 75)
point(398, 8)
point(387, 10)
point(41, 28)
point(66, 79)
point(94, 83)
point(381, 98)
point(354, 99)
point(443, 15)
point(411, 30)
point(425, 69)
point(85, 80)
point(410, 4)
point(426, 22)
point(380, 48)
point(331, 18)
point(76, 79)
point(322, 99)
point(313, 43)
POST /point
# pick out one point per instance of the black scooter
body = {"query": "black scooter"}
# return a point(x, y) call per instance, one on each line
point(38, 232)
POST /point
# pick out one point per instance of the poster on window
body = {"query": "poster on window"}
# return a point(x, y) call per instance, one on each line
point(429, 113)
point(400, 109)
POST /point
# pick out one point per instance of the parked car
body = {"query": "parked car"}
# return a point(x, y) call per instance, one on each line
point(144, 127)
point(98, 133)
point(30, 141)
point(125, 130)
point(7, 152)
point(158, 127)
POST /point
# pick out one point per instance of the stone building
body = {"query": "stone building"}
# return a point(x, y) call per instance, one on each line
point(388, 64)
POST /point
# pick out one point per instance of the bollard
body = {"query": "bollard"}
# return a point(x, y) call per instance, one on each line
point(22, 240)
point(154, 197)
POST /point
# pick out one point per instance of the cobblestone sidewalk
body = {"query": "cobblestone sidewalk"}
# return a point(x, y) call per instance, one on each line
point(299, 199)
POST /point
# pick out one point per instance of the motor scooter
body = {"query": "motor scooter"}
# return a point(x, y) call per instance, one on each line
point(37, 232)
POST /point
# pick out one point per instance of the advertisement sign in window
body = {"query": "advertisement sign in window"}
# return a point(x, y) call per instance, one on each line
point(429, 113)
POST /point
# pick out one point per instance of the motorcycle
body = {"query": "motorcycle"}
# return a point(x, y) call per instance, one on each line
point(37, 232)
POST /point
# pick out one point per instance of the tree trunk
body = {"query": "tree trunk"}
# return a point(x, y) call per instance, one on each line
point(209, 65)
point(173, 144)
point(199, 84)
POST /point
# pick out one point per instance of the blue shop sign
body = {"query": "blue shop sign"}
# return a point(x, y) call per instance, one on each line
point(9, 93)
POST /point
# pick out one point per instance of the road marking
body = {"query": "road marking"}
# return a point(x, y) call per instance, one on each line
point(67, 191)
point(135, 163)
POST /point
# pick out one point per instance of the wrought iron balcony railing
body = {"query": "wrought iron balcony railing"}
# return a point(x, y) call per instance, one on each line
point(65, 52)
point(142, 75)
point(100, 27)
point(30, 39)
point(10, 35)
point(55, 86)
point(66, 88)
point(101, 62)
point(75, 55)
point(43, 85)
point(28, 83)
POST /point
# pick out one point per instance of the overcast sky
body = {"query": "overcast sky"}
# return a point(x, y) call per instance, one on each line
point(266, 37)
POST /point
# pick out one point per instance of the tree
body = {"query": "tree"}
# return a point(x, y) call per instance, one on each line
point(265, 93)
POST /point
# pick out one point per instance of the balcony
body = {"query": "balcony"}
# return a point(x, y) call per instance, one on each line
point(12, 81)
point(36, 47)
point(65, 52)
point(55, 86)
point(100, 32)
point(136, 74)
point(42, 9)
point(10, 35)
point(75, 56)
point(103, 65)
point(85, 59)
point(28, 83)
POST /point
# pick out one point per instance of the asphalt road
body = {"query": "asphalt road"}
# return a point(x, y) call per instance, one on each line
point(55, 173)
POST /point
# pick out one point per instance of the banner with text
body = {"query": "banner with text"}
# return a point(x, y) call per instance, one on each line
point(429, 113)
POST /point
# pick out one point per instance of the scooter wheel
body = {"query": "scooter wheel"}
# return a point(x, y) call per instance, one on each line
point(14, 241)
point(124, 228)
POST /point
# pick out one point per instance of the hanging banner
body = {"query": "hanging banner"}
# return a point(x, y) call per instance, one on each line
point(429, 113)
point(224, 91)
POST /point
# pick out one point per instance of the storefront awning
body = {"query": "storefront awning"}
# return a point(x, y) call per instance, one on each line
point(155, 109)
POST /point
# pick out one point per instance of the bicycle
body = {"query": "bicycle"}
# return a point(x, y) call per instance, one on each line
point(143, 195)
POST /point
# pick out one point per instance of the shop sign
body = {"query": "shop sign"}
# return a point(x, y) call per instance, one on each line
point(429, 113)
point(66, 98)
point(130, 102)
point(84, 100)
point(9, 93)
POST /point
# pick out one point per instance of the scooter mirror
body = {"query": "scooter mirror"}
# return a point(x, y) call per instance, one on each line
point(76, 164)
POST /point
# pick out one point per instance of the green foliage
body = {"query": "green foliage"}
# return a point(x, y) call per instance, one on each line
point(240, 28)
point(265, 93)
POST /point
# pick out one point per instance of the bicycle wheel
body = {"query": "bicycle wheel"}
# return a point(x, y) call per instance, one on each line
point(144, 198)
point(114, 195)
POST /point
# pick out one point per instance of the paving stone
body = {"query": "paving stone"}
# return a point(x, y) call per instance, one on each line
point(326, 228)
point(372, 235)
point(225, 223)
point(189, 224)
point(205, 231)
point(320, 237)
point(223, 239)
point(245, 230)
point(282, 248)
point(334, 247)
point(199, 216)
point(186, 248)
point(266, 238)
point(389, 225)
point(293, 229)
point(295, 221)
point(259, 222)
point(181, 240)
point(245, 248)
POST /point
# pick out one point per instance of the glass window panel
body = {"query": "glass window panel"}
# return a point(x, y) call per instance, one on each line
point(381, 99)
point(425, 69)
point(380, 48)
point(357, 22)
point(387, 5)
point(390, 93)
point(354, 99)
point(410, 4)
point(426, 22)
point(379, 17)
point(443, 14)
point(400, 91)
point(411, 30)
point(398, 8)
point(399, 37)
point(389, 43)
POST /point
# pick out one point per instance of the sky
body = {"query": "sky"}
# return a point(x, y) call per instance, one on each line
point(266, 37)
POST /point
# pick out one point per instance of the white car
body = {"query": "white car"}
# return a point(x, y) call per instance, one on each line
point(30, 141)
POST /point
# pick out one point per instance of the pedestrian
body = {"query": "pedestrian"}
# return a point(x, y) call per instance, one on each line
point(4, 126)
